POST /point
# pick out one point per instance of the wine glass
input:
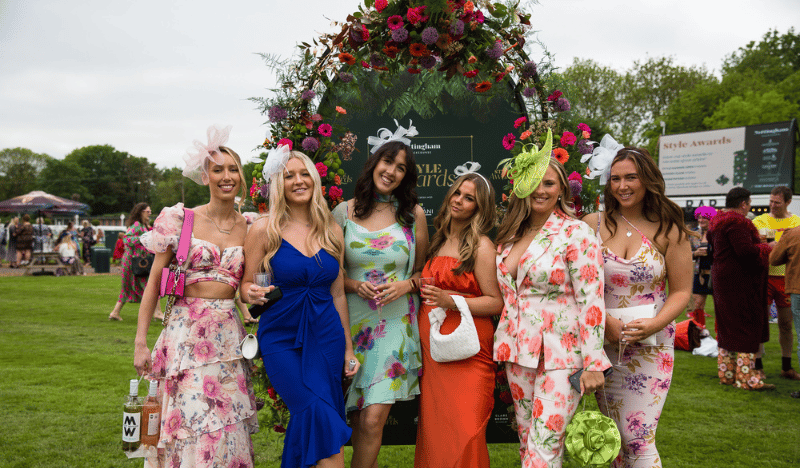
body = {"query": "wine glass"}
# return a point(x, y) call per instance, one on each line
point(427, 282)
point(262, 279)
point(377, 280)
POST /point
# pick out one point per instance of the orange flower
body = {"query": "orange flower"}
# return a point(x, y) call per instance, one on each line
point(505, 197)
point(419, 49)
point(337, 180)
point(561, 155)
point(391, 51)
point(344, 57)
point(262, 207)
point(472, 59)
point(483, 86)
point(525, 135)
point(340, 110)
point(469, 7)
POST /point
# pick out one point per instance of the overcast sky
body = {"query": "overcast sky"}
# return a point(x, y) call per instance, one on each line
point(149, 76)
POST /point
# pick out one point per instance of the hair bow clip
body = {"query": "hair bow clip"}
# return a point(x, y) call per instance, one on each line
point(275, 162)
point(470, 167)
point(385, 136)
point(196, 157)
point(601, 157)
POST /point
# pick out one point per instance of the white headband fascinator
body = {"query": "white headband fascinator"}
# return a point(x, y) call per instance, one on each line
point(385, 136)
point(275, 161)
point(196, 157)
point(601, 157)
point(470, 167)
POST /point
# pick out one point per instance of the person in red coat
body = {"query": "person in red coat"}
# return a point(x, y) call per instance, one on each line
point(739, 276)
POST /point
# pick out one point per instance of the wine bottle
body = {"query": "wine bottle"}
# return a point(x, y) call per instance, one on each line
point(132, 419)
point(151, 416)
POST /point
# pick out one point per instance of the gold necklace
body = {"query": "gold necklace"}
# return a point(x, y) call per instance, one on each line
point(308, 225)
point(223, 231)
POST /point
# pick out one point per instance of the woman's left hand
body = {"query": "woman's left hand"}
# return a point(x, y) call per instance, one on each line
point(637, 330)
point(349, 357)
point(437, 297)
point(390, 292)
point(592, 381)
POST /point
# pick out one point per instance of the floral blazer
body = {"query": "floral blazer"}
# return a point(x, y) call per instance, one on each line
point(554, 309)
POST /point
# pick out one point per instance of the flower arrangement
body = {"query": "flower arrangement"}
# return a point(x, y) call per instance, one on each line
point(569, 146)
point(273, 412)
point(477, 39)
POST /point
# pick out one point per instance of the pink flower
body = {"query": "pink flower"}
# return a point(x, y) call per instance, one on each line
point(594, 316)
point(395, 22)
point(203, 350)
point(322, 169)
point(569, 341)
point(415, 15)
point(509, 141)
point(568, 138)
point(503, 352)
point(325, 130)
point(520, 121)
point(582, 127)
point(286, 141)
point(211, 386)
point(556, 94)
point(537, 408)
point(335, 192)
point(665, 362)
point(471, 73)
point(241, 381)
point(516, 391)
point(589, 273)
point(575, 176)
point(555, 422)
point(619, 279)
point(381, 4)
point(173, 422)
point(381, 242)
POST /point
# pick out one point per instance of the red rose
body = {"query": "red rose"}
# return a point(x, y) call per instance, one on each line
point(516, 391)
point(505, 397)
point(537, 408)
point(555, 422)
point(593, 316)
point(503, 352)
point(557, 277)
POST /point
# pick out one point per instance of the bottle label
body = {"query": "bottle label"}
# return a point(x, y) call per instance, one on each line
point(131, 422)
point(153, 423)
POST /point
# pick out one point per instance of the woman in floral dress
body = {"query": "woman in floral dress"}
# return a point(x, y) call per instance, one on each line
point(208, 407)
point(132, 287)
point(645, 244)
point(551, 278)
point(385, 242)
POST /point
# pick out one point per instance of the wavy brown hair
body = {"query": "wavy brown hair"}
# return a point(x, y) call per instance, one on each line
point(519, 217)
point(657, 208)
point(405, 193)
point(136, 215)
point(482, 221)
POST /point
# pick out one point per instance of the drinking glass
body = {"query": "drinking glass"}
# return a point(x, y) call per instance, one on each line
point(262, 280)
point(376, 281)
point(427, 282)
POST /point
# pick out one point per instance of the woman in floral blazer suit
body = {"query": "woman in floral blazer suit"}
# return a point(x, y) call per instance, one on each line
point(551, 276)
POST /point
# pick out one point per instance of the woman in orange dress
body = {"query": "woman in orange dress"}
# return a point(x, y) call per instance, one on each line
point(456, 398)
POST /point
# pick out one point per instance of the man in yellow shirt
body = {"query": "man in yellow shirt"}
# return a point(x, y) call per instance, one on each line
point(780, 220)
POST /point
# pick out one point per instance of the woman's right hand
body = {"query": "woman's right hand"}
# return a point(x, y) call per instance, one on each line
point(367, 290)
point(256, 294)
point(613, 329)
point(141, 359)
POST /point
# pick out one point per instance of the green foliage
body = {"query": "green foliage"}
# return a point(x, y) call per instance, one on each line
point(19, 168)
point(751, 109)
point(172, 187)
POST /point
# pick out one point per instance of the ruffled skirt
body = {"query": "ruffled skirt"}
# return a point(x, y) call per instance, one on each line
point(208, 406)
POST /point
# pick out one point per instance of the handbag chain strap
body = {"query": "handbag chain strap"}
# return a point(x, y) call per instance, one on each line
point(180, 259)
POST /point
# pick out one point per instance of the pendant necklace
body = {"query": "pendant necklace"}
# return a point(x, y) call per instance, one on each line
point(629, 223)
point(223, 231)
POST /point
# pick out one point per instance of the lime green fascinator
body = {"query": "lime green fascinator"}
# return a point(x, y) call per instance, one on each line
point(528, 167)
point(592, 439)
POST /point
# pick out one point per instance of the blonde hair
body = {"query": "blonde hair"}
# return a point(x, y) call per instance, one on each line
point(519, 219)
point(482, 221)
point(242, 182)
point(321, 217)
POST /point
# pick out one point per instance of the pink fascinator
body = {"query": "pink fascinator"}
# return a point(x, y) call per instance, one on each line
point(196, 157)
point(707, 212)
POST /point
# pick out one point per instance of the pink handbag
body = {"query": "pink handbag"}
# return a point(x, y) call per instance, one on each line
point(173, 277)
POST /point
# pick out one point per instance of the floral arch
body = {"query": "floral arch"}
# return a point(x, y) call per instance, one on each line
point(482, 42)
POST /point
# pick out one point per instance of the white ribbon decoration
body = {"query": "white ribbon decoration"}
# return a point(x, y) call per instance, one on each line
point(275, 162)
point(470, 167)
point(601, 157)
point(385, 136)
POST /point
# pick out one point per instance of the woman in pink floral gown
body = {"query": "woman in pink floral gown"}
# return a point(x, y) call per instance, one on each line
point(208, 406)
point(644, 245)
point(551, 277)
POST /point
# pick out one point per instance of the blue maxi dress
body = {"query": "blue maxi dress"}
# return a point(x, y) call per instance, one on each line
point(302, 343)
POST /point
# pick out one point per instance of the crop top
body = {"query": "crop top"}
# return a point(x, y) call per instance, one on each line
point(206, 262)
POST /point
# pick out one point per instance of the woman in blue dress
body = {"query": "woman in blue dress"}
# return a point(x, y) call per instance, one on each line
point(386, 237)
point(304, 337)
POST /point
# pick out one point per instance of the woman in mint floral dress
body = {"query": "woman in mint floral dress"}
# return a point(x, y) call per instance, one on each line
point(386, 238)
point(644, 246)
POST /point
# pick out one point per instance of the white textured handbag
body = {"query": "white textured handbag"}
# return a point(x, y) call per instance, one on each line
point(463, 343)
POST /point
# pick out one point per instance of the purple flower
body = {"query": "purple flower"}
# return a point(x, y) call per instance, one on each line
point(471, 87)
point(345, 77)
point(376, 61)
point(457, 28)
point(308, 95)
point(310, 144)
point(529, 92)
point(584, 147)
point(427, 62)
point(496, 51)
point(575, 186)
point(355, 35)
point(277, 113)
point(264, 190)
point(528, 70)
point(399, 35)
point(430, 35)
point(562, 104)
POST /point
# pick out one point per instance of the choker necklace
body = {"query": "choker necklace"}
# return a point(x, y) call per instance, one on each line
point(223, 231)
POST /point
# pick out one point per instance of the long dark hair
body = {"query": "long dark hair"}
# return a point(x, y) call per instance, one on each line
point(405, 193)
point(136, 215)
point(482, 221)
point(656, 206)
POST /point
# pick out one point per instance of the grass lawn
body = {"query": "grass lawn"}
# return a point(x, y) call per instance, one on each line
point(65, 370)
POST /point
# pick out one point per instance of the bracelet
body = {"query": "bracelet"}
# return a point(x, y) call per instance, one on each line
point(413, 285)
